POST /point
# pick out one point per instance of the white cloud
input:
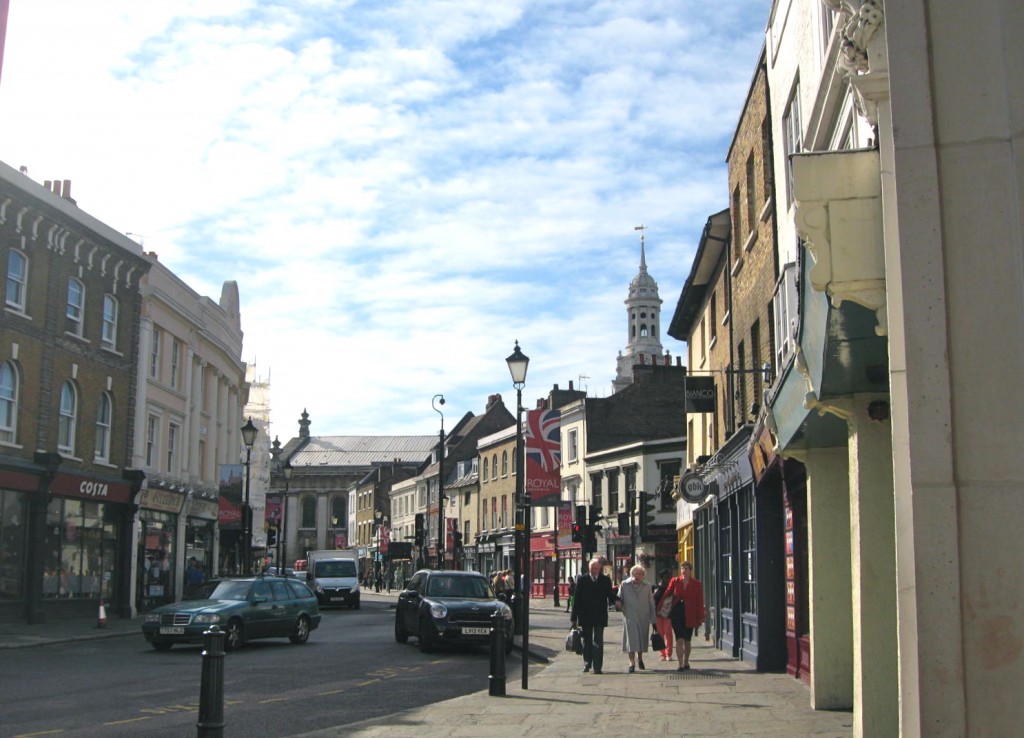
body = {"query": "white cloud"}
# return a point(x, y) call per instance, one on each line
point(400, 189)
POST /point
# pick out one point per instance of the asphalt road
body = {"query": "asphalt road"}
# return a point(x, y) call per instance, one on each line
point(350, 670)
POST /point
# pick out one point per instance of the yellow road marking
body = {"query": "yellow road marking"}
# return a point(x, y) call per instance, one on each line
point(129, 720)
point(273, 699)
point(333, 691)
point(43, 732)
point(372, 681)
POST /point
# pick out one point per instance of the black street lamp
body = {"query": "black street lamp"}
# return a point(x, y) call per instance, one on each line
point(518, 362)
point(249, 432)
point(282, 546)
point(439, 399)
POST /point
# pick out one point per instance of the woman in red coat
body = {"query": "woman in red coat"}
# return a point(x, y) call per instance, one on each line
point(687, 614)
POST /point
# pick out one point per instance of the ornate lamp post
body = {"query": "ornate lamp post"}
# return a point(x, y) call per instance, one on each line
point(249, 432)
point(439, 400)
point(518, 362)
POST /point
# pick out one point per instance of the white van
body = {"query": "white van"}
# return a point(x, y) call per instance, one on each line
point(334, 577)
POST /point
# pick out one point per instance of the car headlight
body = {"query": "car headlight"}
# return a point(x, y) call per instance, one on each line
point(319, 588)
point(207, 618)
point(439, 611)
point(506, 611)
point(152, 617)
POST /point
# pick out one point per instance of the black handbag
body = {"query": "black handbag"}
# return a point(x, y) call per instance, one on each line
point(657, 641)
point(577, 641)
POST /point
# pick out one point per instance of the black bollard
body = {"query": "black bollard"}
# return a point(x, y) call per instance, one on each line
point(211, 690)
point(496, 688)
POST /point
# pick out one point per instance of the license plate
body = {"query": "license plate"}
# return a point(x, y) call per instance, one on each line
point(337, 599)
point(175, 631)
point(476, 631)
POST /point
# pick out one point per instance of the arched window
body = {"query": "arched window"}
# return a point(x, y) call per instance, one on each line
point(643, 331)
point(8, 402)
point(68, 419)
point(308, 512)
point(484, 477)
point(338, 517)
point(494, 466)
point(104, 412)
point(504, 463)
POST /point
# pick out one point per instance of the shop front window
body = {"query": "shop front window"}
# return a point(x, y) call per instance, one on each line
point(79, 550)
point(156, 559)
point(13, 507)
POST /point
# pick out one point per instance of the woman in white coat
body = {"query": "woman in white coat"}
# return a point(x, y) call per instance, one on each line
point(638, 616)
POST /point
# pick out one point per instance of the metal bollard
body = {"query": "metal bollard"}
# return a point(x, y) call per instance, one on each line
point(211, 690)
point(496, 688)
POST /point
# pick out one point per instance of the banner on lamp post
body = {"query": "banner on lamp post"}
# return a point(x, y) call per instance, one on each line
point(542, 441)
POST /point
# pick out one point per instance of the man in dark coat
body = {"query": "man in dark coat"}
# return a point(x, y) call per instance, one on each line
point(590, 612)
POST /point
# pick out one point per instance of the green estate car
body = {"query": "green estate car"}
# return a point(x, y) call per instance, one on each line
point(245, 609)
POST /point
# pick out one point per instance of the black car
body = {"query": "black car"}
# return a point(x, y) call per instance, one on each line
point(441, 607)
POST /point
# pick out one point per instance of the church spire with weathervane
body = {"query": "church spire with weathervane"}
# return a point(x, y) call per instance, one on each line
point(643, 322)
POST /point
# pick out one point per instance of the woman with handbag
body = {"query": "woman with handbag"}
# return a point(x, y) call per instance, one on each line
point(687, 612)
point(637, 616)
point(663, 601)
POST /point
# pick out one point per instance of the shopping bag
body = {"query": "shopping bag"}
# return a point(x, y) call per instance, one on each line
point(657, 641)
point(666, 606)
point(574, 641)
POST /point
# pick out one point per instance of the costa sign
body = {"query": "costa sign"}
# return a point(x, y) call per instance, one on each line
point(90, 488)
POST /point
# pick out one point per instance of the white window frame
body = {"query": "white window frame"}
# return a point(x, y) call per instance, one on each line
point(9, 388)
point(173, 434)
point(104, 420)
point(68, 418)
point(17, 280)
point(792, 138)
point(175, 362)
point(152, 440)
point(572, 445)
point(154, 354)
point(75, 309)
point(108, 337)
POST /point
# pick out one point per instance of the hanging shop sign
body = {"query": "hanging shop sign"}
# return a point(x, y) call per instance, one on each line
point(692, 488)
point(700, 394)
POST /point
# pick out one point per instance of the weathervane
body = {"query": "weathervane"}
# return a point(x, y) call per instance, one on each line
point(641, 228)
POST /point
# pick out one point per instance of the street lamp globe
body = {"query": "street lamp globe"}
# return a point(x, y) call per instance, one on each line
point(249, 432)
point(518, 362)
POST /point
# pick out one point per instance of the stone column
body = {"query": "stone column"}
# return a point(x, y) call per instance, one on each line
point(873, 559)
point(829, 587)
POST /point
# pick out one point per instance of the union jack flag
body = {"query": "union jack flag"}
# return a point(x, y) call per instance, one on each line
point(542, 439)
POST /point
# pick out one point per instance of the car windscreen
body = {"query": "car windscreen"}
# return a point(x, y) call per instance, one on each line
point(231, 591)
point(335, 568)
point(472, 587)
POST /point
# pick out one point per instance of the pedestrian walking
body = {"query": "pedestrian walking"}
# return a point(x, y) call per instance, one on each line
point(638, 616)
point(590, 612)
point(662, 622)
point(687, 613)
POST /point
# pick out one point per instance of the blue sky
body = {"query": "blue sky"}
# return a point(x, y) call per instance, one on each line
point(400, 189)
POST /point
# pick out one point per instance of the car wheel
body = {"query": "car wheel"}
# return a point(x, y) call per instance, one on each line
point(162, 645)
point(301, 632)
point(401, 634)
point(234, 636)
point(426, 637)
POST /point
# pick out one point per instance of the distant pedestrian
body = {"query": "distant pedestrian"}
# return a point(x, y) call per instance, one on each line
point(590, 611)
point(637, 616)
point(572, 593)
point(194, 576)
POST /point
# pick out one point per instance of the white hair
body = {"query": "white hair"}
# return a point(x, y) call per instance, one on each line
point(635, 568)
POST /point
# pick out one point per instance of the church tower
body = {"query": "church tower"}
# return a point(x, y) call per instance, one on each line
point(643, 321)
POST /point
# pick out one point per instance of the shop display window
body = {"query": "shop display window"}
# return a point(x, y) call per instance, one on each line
point(13, 525)
point(79, 550)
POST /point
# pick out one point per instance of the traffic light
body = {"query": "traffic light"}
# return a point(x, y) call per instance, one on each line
point(271, 536)
point(420, 535)
point(579, 524)
point(648, 509)
point(457, 538)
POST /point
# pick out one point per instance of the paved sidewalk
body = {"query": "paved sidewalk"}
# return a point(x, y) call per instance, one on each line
point(718, 697)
